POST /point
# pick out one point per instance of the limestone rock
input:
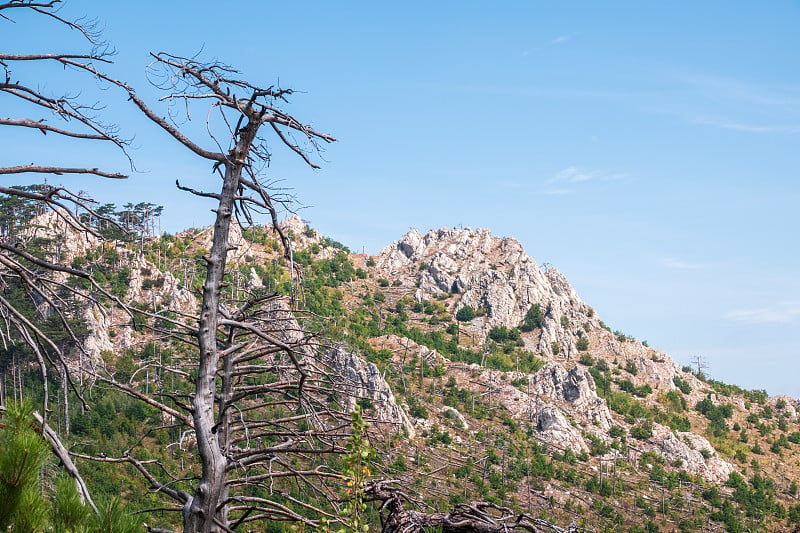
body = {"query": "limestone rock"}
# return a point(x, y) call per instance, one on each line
point(653, 367)
point(544, 407)
point(363, 380)
point(492, 274)
point(688, 448)
point(553, 428)
point(239, 247)
point(253, 281)
point(576, 389)
point(69, 241)
point(452, 412)
point(98, 323)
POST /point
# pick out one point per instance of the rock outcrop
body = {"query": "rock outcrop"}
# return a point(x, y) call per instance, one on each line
point(363, 380)
point(493, 275)
point(69, 240)
point(574, 389)
point(652, 367)
point(693, 452)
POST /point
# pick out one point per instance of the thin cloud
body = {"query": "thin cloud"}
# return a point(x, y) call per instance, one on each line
point(578, 175)
point(784, 97)
point(781, 313)
point(561, 39)
point(558, 191)
point(574, 175)
point(678, 264)
point(749, 128)
point(738, 104)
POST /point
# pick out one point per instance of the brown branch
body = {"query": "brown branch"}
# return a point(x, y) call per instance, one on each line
point(52, 57)
point(296, 149)
point(44, 264)
point(59, 171)
point(44, 128)
point(132, 392)
point(166, 126)
point(66, 108)
point(45, 8)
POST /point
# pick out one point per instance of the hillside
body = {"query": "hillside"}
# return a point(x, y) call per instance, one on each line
point(483, 376)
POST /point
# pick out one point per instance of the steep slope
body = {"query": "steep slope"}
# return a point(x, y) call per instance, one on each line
point(529, 400)
point(600, 391)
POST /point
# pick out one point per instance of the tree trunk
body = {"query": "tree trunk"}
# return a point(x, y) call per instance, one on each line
point(206, 511)
point(202, 511)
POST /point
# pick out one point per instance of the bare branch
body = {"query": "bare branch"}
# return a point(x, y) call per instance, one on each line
point(58, 171)
point(474, 517)
point(44, 128)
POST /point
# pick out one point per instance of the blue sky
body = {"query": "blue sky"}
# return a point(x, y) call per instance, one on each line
point(648, 150)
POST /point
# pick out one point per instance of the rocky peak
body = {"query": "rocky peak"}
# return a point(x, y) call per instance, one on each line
point(493, 275)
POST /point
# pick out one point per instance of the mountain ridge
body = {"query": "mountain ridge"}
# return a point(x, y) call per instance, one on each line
point(531, 360)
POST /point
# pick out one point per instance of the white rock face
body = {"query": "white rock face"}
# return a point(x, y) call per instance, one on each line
point(493, 274)
point(575, 389)
point(653, 367)
point(363, 380)
point(544, 404)
point(354, 377)
point(553, 427)
point(69, 241)
point(689, 449)
point(452, 412)
point(253, 281)
point(98, 323)
point(789, 405)
point(239, 247)
point(496, 276)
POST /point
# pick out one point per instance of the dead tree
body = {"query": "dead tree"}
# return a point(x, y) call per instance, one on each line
point(473, 517)
point(263, 403)
point(47, 283)
point(234, 341)
point(39, 274)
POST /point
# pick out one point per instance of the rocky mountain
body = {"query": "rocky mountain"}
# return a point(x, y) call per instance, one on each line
point(474, 268)
point(661, 409)
point(483, 372)
point(493, 275)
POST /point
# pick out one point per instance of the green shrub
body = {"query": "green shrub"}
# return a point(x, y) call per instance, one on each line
point(617, 431)
point(642, 431)
point(533, 318)
point(682, 384)
point(465, 314)
point(498, 333)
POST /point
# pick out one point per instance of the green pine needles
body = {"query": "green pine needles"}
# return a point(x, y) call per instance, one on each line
point(29, 504)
